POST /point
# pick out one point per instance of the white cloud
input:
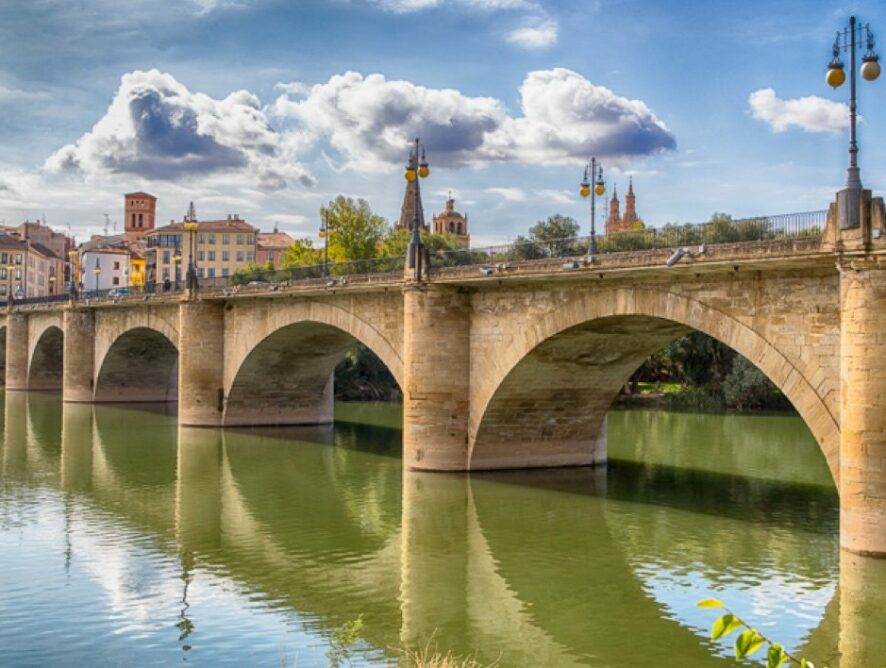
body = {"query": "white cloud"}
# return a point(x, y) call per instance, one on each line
point(509, 194)
point(537, 33)
point(156, 128)
point(565, 118)
point(557, 196)
point(811, 113)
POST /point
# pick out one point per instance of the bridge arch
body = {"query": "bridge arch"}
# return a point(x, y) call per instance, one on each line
point(139, 365)
point(281, 372)
point(556, 381)
point(46, 359)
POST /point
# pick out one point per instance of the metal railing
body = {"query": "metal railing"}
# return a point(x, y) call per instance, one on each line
point(805, 225)
point(673, 235)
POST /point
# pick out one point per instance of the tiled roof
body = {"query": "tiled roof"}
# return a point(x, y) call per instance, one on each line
point(224, 225)
point(43, 250)
point(274, 240)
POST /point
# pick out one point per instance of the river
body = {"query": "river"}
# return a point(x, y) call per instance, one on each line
point(128, 541)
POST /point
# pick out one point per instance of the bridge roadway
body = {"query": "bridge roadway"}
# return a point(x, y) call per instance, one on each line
point(515, 366)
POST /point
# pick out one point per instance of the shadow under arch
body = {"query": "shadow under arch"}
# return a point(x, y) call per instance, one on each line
point(141, 365)
point(547, 398)
point(286, 378)
point(45, 365)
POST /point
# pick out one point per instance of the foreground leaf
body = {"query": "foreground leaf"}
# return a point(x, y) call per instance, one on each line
point(710, 603)
point(724, 626)
point(748, 643)
point(775, 656)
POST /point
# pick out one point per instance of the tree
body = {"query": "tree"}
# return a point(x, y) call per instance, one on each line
point(555, 233)
point(300, 254)
point(354, 231)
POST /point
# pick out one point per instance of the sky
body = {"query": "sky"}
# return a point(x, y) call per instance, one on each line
point(270, 108)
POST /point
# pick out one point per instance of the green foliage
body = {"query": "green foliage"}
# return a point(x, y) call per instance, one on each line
point(749, 641)
point(361, 375)
point(301, 253)
point(746, 387)
point(354, 230)
point(555, 236)
point(342, 641)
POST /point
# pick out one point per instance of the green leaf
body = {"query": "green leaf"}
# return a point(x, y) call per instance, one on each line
point(748, 643)
point(710, 603)
point(806, 664)
point(775, 656)
point(724, 626)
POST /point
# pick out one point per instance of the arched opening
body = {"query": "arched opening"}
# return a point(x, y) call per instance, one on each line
point(140, 366)
point(45, 369)
point(550, 407)
point(288, 378)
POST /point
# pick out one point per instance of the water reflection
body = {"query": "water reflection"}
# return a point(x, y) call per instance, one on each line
point(246, 546)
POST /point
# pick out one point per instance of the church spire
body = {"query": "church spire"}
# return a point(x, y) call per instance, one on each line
point(613, 222)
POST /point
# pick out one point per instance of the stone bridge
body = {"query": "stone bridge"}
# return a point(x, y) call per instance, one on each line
point(513, 366)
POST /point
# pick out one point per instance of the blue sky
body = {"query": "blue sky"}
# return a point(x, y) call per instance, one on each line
point(268, 108)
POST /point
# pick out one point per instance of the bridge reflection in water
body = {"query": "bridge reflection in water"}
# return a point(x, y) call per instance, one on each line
point(550, 568)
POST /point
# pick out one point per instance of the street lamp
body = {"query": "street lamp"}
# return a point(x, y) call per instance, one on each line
point(73, 271)
point(416, 169)
point(191, 226)
point(848, 198)
point(9, 270)
point(177, 260)
point(97, 270)
point(593, 172)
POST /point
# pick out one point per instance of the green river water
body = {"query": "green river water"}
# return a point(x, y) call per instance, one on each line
point(128, 541)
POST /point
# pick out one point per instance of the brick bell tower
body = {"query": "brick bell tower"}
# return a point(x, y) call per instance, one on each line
point(139, 212)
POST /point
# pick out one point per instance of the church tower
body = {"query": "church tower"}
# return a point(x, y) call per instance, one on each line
point(407, 211)
point(453, 223)
point(613, 222)
point(139, 211)
point(630, 218)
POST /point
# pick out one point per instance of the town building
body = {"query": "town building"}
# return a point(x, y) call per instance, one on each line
point(29, 269)
point(104, 268)
point(453, 223)
point(615, 222)
point(270, 247)
point(220, 247)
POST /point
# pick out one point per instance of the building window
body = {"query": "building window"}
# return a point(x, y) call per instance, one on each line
point(226, 238)
point(201, 238)
point(199, 272)
point(212, 256)
point(140, 219)
point(224, 272)
point(165, 273)
point(200, 255)
point(4, 258)
point(3, 274)
point(211, 271)
point(165, 257)
point(115, 280)
point(2, 290)
point(250, 239)
point(226, 256)
point(250, 256)
point(18, 258)
point(239, 256)
point(133, 220)
point(239, 238)
point(116, 265)
point(212, 238)
point(18, 274)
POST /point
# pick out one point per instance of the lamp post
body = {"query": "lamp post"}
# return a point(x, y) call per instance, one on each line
point(849, 39)
point(324, 233)
point(177, 263)
point(191, 226)
point(593, 177)
point(9, 271)
point(73, 271)
point(97, 270)
point(416, 169)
